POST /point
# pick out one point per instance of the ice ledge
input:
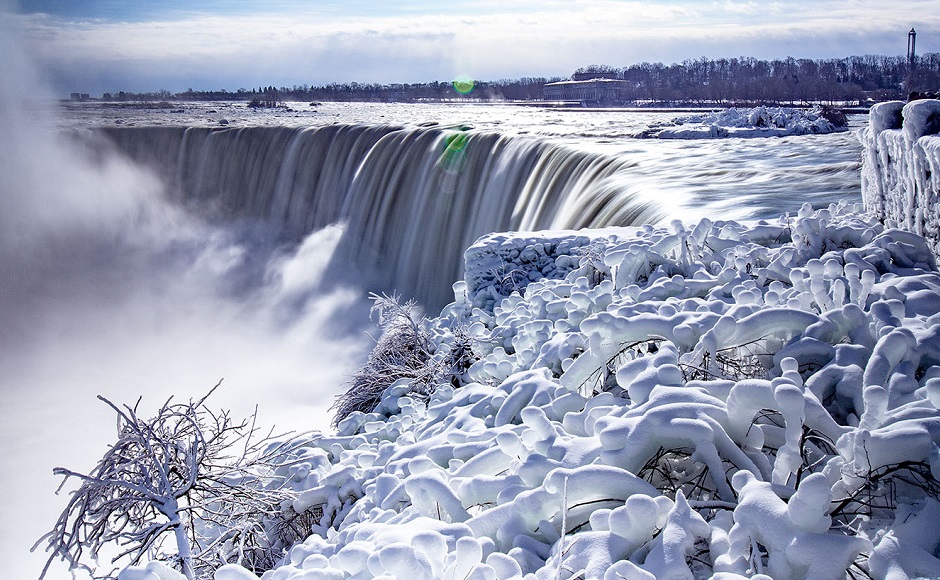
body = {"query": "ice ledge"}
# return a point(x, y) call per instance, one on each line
point(499, 263)
point(901, 167)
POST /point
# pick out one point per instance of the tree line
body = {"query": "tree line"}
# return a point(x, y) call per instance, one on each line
point(854, 79)
point(522, 89)
point(850, 79)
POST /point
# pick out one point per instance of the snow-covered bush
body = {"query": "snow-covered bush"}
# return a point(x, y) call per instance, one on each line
point(721, 400)
point(403, 359)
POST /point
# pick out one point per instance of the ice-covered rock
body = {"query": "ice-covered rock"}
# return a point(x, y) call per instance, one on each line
point(749, 123)
point(719, 400)
point(150, 571)
point(901, 166)
point(233, 572)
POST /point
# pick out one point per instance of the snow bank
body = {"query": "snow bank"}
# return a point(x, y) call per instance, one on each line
point(151, 571)
point(720, 400)
point(749, 123)
point(901, 166)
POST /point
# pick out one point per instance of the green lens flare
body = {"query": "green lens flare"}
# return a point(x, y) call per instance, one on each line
point(452, 157)
point(463, 84)
point(456, 142)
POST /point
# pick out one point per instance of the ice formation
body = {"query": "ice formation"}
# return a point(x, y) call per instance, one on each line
point(756, 122)
point(901, 166)
point(723, 400)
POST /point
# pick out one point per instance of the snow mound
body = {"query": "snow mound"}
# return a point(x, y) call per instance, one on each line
point(724, 400)
point(152, 571)
point(901, 166)
point(750, 123)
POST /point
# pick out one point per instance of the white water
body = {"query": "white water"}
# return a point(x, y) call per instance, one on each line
point(110, 288)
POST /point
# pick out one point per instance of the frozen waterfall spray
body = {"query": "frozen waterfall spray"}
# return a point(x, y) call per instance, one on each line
point(107, 287)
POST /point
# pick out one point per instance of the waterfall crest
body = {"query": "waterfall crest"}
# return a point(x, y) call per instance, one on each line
point(412, 199)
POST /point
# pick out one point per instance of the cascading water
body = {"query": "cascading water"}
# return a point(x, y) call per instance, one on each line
point(411, 199)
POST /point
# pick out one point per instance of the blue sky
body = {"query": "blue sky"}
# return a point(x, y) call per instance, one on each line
point(109, 45)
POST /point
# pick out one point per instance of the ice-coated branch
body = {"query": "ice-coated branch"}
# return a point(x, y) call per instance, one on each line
point(171, 475)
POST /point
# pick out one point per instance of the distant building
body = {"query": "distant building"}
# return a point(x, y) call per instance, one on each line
point(591, 75)
point(79, 96)
point(593, 92)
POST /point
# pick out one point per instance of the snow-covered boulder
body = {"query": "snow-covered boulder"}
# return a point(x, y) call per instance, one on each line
point(150, 571)
point(901, 166)
point(749, 123)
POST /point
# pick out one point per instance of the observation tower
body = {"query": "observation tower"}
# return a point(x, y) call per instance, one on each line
point(911, 40)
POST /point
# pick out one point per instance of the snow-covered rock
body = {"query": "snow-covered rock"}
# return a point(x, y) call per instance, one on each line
point(748, 123)
point(728, 400)
point(233, 572)
point(151, 571)
point(901, 166)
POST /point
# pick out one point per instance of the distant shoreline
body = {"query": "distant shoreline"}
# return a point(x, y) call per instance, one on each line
point(562, 106)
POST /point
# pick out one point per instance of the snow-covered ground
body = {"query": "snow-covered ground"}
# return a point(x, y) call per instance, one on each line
point(749, 123)
point(718, 399)
point(901, 166)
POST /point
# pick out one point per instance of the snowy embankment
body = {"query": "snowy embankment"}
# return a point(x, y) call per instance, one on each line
point(901, 166)
point(723, 401)
point(749, 123)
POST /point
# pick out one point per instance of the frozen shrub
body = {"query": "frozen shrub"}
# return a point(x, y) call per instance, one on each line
point(188, 472)
point(835, 116)
point(405, 352)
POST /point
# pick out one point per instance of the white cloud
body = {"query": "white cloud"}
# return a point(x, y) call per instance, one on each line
point(486, 39)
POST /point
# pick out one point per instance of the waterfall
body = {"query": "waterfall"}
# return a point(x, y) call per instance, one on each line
point(412, 199)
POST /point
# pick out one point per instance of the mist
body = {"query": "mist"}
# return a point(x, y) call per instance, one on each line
point(108, 289)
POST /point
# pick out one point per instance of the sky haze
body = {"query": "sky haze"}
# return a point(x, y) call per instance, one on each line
point(95, 46)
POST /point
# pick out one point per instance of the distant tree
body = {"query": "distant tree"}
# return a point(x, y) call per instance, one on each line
point(162, 476)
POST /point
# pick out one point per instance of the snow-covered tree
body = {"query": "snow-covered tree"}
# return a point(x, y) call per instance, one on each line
point(188, 471)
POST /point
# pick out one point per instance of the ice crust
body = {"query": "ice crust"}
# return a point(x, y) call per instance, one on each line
point(717, 400)
point(746, 123)
point(901, 166)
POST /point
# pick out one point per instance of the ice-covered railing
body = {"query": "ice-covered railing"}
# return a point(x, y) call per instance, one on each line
point(901, 166)
point(720, 400)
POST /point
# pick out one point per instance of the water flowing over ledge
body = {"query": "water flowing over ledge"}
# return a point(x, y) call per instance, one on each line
point(411, 199)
